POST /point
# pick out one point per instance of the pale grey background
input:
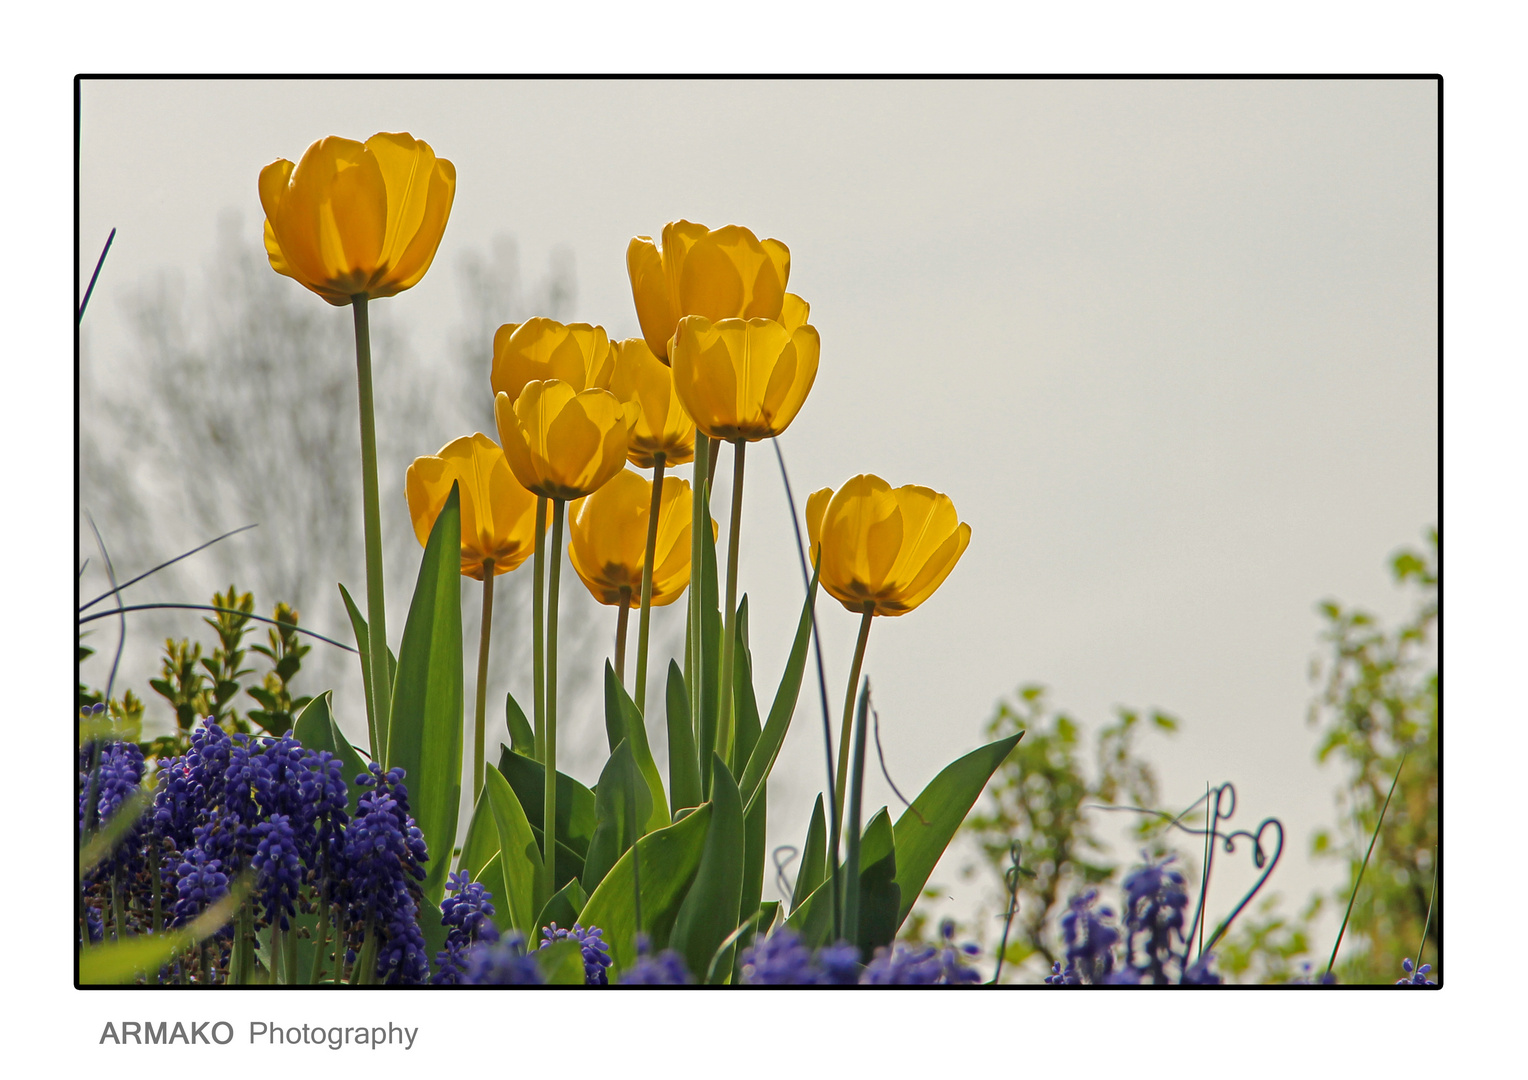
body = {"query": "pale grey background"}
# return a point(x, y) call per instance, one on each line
point(1170, 346)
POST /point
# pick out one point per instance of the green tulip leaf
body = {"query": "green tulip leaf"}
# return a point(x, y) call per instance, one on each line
point(622, 792)
point(710, 910)
point(563, 909)
point(755, 819)
point(521, 737)
point(622, 714)
point(519, 852)
point(575, 803)
point(684, 765)
point(561, 964)
point(669, 859)
point(362, 644)
point(762, 758)
point(926, 828)
point(880, 897)
point(814, 857)
point(425, 736)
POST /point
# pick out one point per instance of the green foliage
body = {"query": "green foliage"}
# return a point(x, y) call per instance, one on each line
point(1377, 703)
point(1039, 797)
point(278, 708)
point(1265, 946)
point(183, 683)
point(425, 729)
point(224, 666)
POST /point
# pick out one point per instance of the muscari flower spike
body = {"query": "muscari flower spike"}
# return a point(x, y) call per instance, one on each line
point(1089, 940)
point(467, 912)
point(1415, 976)
point(501, 963)
point(665, 969)
point(596, 952)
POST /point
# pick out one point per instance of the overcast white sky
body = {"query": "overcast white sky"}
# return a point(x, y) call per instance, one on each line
point(1171, 347)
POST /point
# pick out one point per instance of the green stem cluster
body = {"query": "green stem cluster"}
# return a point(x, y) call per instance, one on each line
point(479, 724)
point(650, 553)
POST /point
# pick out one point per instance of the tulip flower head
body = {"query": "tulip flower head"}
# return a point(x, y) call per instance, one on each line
point(662, 425)
point(884, 550)
point(608, 537)
point(540, 349)
point(357, 219)
point(561, 442)
point(725, 273)
point(743, 380)
point(498, 515)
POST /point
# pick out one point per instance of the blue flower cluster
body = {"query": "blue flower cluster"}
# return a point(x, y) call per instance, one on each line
point(667, 968)
point(279, 811)
point(1415, 976)
point(468, 912)
point(1154, 947)
point(384, 851)
point(501, 963)
point(781, 959)
point(596, 952)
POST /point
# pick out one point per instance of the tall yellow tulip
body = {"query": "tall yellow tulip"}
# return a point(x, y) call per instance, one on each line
point(882, 551)
point(541, 349)
point(498, 513)
point(562, 443)
point(538, 350)
point(355, 222)
point(608, 534)
point(741, 380)
point(498, 519)
point(356, 218)
point(725, 273)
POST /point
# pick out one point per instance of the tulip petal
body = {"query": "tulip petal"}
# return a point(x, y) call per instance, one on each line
point(710, 278)
point(420, 252)
point(816, 505)
point(938, 567)
point(406, 165)
point(794, 312)
point(650, 291)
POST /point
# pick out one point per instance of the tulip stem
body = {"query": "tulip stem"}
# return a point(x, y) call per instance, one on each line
point(843, 734)
point(549, 817)
point(729, 631)
point(479, 728)
point(713, 452)
point(376, 613)
point(538, 630)
point(695, 660)
point(620, 634)
point(650, 553)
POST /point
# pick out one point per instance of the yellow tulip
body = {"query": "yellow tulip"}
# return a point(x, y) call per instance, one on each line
point(884, 550)
point(608, 535)
point(540, 349)
point(498, 514)
point(743, 380)
point(662, 426)
point(560, 442)
point(725, 273)
point(357, 219)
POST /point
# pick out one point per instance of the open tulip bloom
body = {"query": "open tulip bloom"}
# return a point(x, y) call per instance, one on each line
point(355, 222)
point(881, 551)
point(608, 546)
point(726, 273)
point(498, 522)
